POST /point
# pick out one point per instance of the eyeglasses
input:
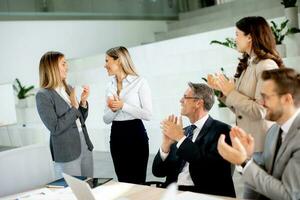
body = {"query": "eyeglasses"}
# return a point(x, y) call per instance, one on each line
point(186, 97)
point(267, 97)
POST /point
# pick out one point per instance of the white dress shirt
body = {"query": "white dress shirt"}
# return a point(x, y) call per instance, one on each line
point(62, 92)
point(184, 177)
point(136, 96)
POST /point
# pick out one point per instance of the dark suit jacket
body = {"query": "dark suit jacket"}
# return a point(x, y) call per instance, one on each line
point(210, 173)
point(60, 120)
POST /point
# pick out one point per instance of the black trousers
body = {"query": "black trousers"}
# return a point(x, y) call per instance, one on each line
point(129, 149)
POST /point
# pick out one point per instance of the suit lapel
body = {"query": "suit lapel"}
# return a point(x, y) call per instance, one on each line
point(67, 106)
point(60, 98)
point(290, 135)
point(205, 128)
point(271, 147)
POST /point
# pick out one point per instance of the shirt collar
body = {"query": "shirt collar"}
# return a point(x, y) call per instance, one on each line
point(287, 125)
point(129, 78)
point(201, 121)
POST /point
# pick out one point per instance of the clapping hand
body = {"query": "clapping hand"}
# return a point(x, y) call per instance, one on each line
point(167, 142)
point(241, 149)
point(212, 82)
point(73, 99)
point(84, 95)
point(246, 139)
point(226, 85)
point(115, 103)
point(172, 127)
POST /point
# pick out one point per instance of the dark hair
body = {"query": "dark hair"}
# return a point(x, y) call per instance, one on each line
point(287, 80)
point(204, 92)
point(263, 42)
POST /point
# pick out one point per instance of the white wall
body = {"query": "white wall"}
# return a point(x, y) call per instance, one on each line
point(22, 43)
point(167, 66)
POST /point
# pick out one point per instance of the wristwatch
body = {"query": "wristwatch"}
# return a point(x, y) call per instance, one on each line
point(245, 162)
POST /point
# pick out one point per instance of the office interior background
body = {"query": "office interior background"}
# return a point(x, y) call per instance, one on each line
point(169, 41)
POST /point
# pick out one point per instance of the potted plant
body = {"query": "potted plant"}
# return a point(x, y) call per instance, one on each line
point(229, 42)
point(217, 92)
point(280, 31)
point(22, 92)
point(291, 12)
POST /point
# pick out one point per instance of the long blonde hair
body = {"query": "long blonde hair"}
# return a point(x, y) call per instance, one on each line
point(49, 71)
point(123, 55)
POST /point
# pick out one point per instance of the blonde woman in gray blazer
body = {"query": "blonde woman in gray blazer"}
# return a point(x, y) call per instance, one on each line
point(64, 117)
point(255, 40)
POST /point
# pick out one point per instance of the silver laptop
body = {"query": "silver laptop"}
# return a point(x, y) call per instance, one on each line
point(80, 188)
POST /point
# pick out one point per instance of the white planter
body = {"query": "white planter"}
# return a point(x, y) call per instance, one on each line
point(292, 15)
point(292, 43)
point(226, 116)
point(281, 48)
point(22, 103)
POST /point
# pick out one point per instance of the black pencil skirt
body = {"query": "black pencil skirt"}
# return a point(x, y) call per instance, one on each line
point(129, 149)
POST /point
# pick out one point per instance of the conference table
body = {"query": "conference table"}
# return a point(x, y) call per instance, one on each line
point(142, 192)
point(113, 190)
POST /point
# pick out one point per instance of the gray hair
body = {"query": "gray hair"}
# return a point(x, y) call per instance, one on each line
point(204, 92)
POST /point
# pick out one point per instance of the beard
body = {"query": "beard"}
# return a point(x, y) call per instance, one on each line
point(274, 115)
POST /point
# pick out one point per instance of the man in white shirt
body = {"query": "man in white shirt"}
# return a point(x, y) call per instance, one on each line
point(189, 156)
point(274, 174)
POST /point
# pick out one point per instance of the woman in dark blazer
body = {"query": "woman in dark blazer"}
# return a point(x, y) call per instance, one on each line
point(64, 117)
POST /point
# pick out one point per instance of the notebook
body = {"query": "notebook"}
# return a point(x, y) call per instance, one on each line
point(61, 183)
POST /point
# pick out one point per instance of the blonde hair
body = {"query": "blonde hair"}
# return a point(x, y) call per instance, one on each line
point(123, 55)
point(49, 71)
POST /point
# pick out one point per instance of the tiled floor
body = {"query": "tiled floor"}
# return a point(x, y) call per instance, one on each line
point(103, 167)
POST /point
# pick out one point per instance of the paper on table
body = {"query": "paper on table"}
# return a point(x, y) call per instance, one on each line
point(195, 196)
point(170, 193)
point(39, 194)
point(112, 192)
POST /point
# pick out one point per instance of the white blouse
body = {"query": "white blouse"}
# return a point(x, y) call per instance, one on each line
point(136, 96)
point(63, 94)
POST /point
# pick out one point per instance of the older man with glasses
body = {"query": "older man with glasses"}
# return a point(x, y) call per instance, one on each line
point(189, 156)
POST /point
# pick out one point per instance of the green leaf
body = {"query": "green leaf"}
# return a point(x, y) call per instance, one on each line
point(283, 24)
point(22, 90)
point(274, 24)
point(18, 82)
point(26, 90)
point(293, 31)
point(229, 42)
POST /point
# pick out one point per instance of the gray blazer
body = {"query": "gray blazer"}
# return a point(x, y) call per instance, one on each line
point(60, 120)
point(284, 183)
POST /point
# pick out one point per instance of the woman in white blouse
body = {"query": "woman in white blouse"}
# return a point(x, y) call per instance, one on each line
point(128, 100)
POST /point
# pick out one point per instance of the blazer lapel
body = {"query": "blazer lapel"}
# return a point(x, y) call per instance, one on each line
point(59, 97)
point(270, 151)
point(67, 106)
point(290, 135)
point(205, 128)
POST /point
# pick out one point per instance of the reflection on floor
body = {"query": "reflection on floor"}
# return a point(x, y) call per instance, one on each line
point(103, 167)
point(4, 148)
